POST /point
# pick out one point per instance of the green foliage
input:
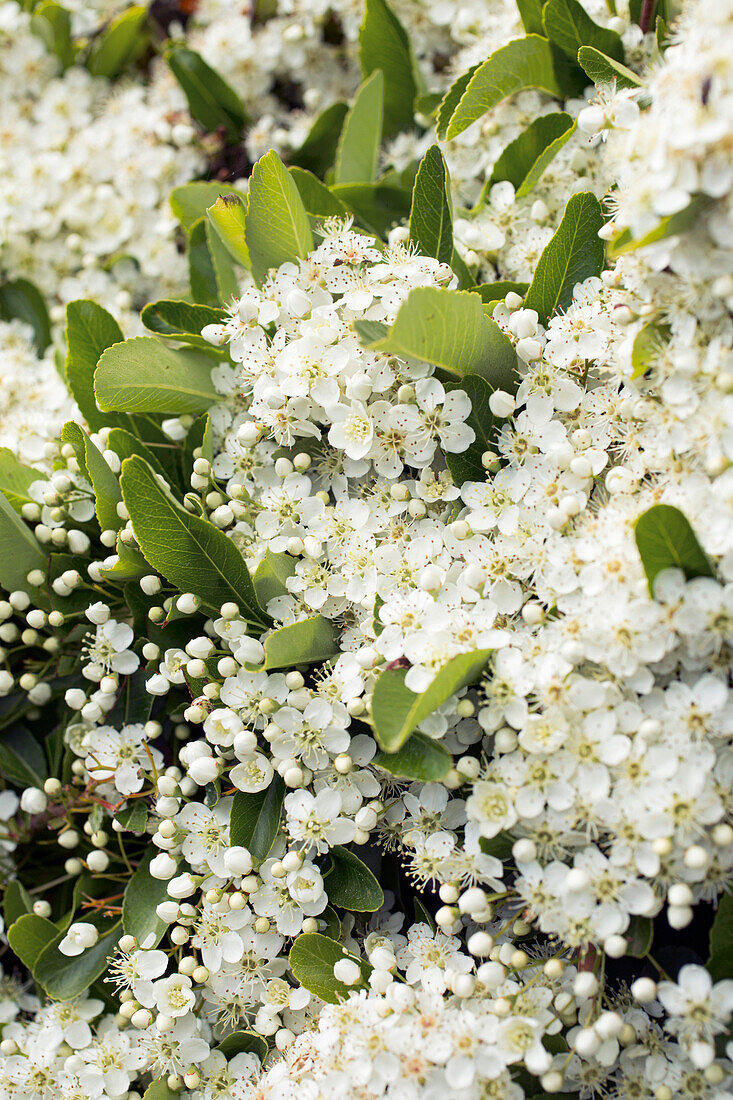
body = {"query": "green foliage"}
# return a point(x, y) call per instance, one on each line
point(188, 551)
point(277, 227)
point(243, 1042)
point(530, 12)
point(307, 642)
point(312, 958)
point(350, 884)
point(318, 151)
point(143, 375)
point(190, 202)
point(106, 487)
point(52, 24)
point(449, 328)
point(525, 159)
point(384, 45)
point(575, 253)
point(530, 62)
point(649, 344)
point(357, 154)
point(318, 200)
point(665, 540)
point(64, 977)
point(120, 43)
point(419, 758)
point(16, 902)
point(397, 711)
point(182, 321)
point(255, 819)
point(21, 300)
point(211, 101)
point(20, 552)
point(569, 26)
point(90, 330)
point(720, 962)
point(159, 1090)
point(21, 757)
point(29, 935)
point(431, 217)
point(15, 479)
point(467, 466)
point(604, 70)
point(377, 206)
point(639, 936)
point(667, 227)
point(227, 216)
point(271, 574)
point(142, 894)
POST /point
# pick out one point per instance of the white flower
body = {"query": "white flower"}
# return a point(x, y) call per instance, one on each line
point(79, 938)
point(315, 819)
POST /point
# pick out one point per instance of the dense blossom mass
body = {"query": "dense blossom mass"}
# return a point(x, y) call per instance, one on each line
point(365, 697)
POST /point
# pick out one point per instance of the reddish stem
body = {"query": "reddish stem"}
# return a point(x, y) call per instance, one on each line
point(647, 15)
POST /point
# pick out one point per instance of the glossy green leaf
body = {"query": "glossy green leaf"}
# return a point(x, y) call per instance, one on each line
point(133, 817)
point(467, 466)
point(63, 976)
point(21, 300)
point(188, 551)
point(312, 958)
point(494, 292)
point(384, 45)
point(449, 328)
point(16, 902)
point(142, 894)
point(120, 43)
point(529, 62)
point(605, 70)
point(431, 218)
point(720, 962)
point(277, 226)
point(271, 574)
point(227, 217)
point(569, 26)
point(665, 540)
point(350, 884)
point(182, 321)
point(191, 201)
point(29, 935)
point(530, 12)
point(318, 151)
point(377, 206)
point(525, 159)
point(125, 444)
point(212, 102)
point(143, 375)
point(20, 552)
point(449, 102)
point(419, 758)
point(15, 479)
point(90, 330)
point(574, 254)
point(52, 23)
point(318, 200)
point(397, 711)
point(649, 344)
point(639, 936)
point(255, 819)
point(307, 642)
point(357, 155)
point(243, 1042)
point(106, 486)
point(159, 1090)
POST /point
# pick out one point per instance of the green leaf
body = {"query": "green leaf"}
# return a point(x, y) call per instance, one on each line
point(665, 540)
point(52, 24)
point(211, 101)
point(277, 226)
point(201, 273)
point(720, 962)
point(449, 102)
point(449, 328)
point(182, 321)
point(431, 219)
point(529, 62)
point(467, 466)
point(20, 552)
point(318, 201)
point(575, 253)
point(142, 894)
point(64, 977)
point(191, 201)
point(22, 301)
point(649, 343)
point(312, 958)
point(227, 283)
point(122, 42)
point(384, 45)
point(16, 902)
point(530, 12)
point(318, 151)
point(604, 70)
point(494, 292)
point(15, 479)
point(397, 711)
point(639, 936)
point(419, 758)
point(243, 1042)
point(21, 758)
point(350, 884)
point(188, 551)
point(90, 330)
point(255, 819)
point(125, 444)
point(525, 159)
point(357, 155)
point(307, 642)
point(227, 217)
point(29, 935)
point(377, 206)
point(668, 227)
point(270, 576)
point(159, 1091)
point(106, 487)
point(143, 375)
point(133, 817)
point(569, 26)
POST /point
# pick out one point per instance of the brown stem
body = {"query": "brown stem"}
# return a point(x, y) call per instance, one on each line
point(647, 15)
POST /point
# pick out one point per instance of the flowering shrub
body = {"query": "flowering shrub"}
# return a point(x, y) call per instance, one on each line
point(366, 633)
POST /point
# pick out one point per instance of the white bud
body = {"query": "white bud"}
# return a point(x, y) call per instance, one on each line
point(347, 971)
point(501, 403)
